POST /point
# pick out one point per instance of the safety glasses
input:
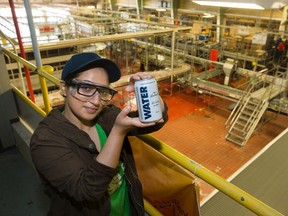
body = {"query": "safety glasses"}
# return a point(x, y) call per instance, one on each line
point(87, 89)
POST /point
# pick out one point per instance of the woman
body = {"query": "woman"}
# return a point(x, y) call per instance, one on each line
point(81, 150)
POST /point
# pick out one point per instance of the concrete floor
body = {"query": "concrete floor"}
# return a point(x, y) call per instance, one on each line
point(21, 192)
point(196, 129)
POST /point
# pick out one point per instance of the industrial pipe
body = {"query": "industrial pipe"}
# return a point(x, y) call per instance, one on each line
point(23, 54)
point(37, 55)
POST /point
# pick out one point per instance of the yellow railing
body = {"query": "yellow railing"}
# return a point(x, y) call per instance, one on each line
point(211, 178)
point(28, 101)
point(42, 75)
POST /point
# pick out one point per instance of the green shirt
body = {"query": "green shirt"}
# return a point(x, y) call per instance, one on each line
point(117, 189)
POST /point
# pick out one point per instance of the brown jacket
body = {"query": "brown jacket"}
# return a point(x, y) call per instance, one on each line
point(75, 182)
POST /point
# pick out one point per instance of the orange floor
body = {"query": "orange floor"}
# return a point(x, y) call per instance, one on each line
point(196, 129)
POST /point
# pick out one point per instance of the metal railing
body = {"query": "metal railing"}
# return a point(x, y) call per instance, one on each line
point(236, 109)
point(211, 178)
point(195, 168)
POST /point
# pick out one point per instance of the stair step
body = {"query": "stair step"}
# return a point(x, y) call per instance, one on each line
point(240, 129)
point(247, 112)
point(252, 104)
point(236, 141)
point(249, 107)
point(253, 101)
point(244, 118)
point(240, 123)
point(239, 136)
point(250, 116)
point(244, 124)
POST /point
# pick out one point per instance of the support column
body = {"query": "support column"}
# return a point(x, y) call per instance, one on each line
point(8, 111)
point(139, 8)
point(283, 26)
point(220, 22)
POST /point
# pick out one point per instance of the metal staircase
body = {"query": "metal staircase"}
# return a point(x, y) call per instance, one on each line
point(250, 108)
point(247, 116)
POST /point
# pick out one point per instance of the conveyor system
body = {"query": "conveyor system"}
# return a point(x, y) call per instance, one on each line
point(251, 105)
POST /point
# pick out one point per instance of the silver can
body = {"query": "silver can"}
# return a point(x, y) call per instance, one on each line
point(148, 102)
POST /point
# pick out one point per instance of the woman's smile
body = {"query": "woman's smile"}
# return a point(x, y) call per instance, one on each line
point(91, 109)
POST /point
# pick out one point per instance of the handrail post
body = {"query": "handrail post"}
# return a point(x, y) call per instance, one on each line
point(44, 90)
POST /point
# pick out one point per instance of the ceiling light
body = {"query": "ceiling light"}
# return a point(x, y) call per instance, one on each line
point(224, 3)
point(91, 7)
point(208, 15)
point(160, 9)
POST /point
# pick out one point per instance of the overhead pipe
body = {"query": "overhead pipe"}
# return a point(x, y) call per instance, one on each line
point(37, 55)
point(172, 55)
point(103, 38)
point(23, 54)
point(36, 51)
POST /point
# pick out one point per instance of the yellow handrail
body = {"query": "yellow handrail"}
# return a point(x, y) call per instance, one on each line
point(28, 101)
point(150, 209)
point(211, 178)
point(42, 75)
point(19, 59)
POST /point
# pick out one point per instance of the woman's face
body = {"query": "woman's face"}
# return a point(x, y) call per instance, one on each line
point(82, 109)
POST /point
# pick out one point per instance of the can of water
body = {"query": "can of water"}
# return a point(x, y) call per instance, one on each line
point(147, 99)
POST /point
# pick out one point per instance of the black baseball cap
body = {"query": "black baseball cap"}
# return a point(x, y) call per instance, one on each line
point(82, 61)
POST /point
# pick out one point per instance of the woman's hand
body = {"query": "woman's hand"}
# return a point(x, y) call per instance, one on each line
point(124, 123)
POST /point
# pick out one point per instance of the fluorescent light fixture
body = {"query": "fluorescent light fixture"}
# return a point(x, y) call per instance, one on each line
point(91, 7)
point(240, 4)
point(208, 15)
point(160, 9)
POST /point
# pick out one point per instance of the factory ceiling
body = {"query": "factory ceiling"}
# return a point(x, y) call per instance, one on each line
point(255, 4)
